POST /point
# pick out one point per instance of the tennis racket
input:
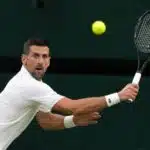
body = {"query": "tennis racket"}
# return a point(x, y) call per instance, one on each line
point(142, 43)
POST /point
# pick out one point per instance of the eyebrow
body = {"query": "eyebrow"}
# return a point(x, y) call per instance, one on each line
point(36, 53)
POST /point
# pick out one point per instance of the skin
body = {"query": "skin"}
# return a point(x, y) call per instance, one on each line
point(37, 61)
point(85, 110)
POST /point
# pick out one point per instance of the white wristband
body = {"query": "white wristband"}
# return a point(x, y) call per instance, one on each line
point(112, 99)
point(68, 122)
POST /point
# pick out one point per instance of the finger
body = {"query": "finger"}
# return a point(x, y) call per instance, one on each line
point(93, 122)
point(133, 90)
point(133, 96)
point(95, 114)
point(92, 116)
point(133, 93)
point(96, 117)
point(128, 86)
point(135, 85)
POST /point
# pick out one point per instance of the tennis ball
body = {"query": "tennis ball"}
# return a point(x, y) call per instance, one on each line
point(98, 27)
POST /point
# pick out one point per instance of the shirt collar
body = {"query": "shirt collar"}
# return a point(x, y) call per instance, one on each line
point(26, 72)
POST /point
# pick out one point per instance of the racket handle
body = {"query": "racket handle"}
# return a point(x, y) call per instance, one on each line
point(136, 80)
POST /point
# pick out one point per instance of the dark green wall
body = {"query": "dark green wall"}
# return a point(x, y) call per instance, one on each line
point(67, 25)
point(125, 126)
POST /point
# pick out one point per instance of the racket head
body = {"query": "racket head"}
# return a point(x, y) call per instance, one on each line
point(142, 33)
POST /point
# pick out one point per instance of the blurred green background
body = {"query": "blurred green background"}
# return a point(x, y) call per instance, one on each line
point(67, 25)
point(125, 126)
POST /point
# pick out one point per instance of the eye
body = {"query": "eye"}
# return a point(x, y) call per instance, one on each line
point(35, 55)
point(45, 56)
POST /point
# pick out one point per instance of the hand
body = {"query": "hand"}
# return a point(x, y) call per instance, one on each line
point(130, 91)
point(86, 119)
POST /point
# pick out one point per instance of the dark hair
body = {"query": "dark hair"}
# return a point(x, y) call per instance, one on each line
point(34, 41)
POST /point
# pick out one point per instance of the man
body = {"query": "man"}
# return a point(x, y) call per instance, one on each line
point(26, 96)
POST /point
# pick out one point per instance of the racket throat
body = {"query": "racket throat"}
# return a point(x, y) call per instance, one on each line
point(144, 65)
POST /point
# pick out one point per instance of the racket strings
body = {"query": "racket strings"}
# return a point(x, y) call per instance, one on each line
point(142, 39)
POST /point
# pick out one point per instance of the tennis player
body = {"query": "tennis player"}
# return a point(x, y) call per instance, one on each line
point(26, 96)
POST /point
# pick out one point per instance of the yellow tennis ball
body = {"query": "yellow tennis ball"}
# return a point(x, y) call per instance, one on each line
point(98, 27)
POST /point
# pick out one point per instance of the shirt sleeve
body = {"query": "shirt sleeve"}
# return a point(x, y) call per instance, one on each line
point(44, 95)
point(44, 108)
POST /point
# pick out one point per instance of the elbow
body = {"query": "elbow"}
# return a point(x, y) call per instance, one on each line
point(71, 107)
point(65, 106)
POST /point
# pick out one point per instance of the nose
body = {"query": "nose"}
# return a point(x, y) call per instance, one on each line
point(40, 60)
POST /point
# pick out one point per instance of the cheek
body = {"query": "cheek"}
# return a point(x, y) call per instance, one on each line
point(30, 62)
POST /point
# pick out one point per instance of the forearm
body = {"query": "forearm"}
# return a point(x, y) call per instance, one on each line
point(91, 104)
point(96, 104)
point(50, 121)
point(84, 105)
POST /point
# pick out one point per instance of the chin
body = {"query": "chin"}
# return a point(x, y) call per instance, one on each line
point(37, 77)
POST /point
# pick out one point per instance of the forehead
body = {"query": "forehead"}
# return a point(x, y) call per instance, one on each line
point(39, 49)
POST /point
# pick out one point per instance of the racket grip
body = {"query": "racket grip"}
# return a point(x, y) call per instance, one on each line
point(136, 80)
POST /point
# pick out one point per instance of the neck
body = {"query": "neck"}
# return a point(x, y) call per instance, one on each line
point(32, 73)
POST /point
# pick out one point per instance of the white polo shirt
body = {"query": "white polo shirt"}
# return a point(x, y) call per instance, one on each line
point(20, 100)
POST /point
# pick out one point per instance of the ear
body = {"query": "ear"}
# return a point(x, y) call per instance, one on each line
point(49, 62)
point(24, 59)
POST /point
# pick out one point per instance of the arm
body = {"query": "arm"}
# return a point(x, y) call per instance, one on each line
point(50, 121)
point(85, 105)
point(58, 122)
point(45, 95)
point(94, 104)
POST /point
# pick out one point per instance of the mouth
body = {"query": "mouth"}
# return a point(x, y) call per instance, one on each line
point(38, 73)
point(39, 68)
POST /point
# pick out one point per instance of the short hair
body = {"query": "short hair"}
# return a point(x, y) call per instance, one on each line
point(34, 41)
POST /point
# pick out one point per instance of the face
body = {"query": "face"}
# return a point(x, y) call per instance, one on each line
point(37, 61)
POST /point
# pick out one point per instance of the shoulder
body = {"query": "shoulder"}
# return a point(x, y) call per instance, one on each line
point(37, 87)
point(40, 91)
point(27, 83)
